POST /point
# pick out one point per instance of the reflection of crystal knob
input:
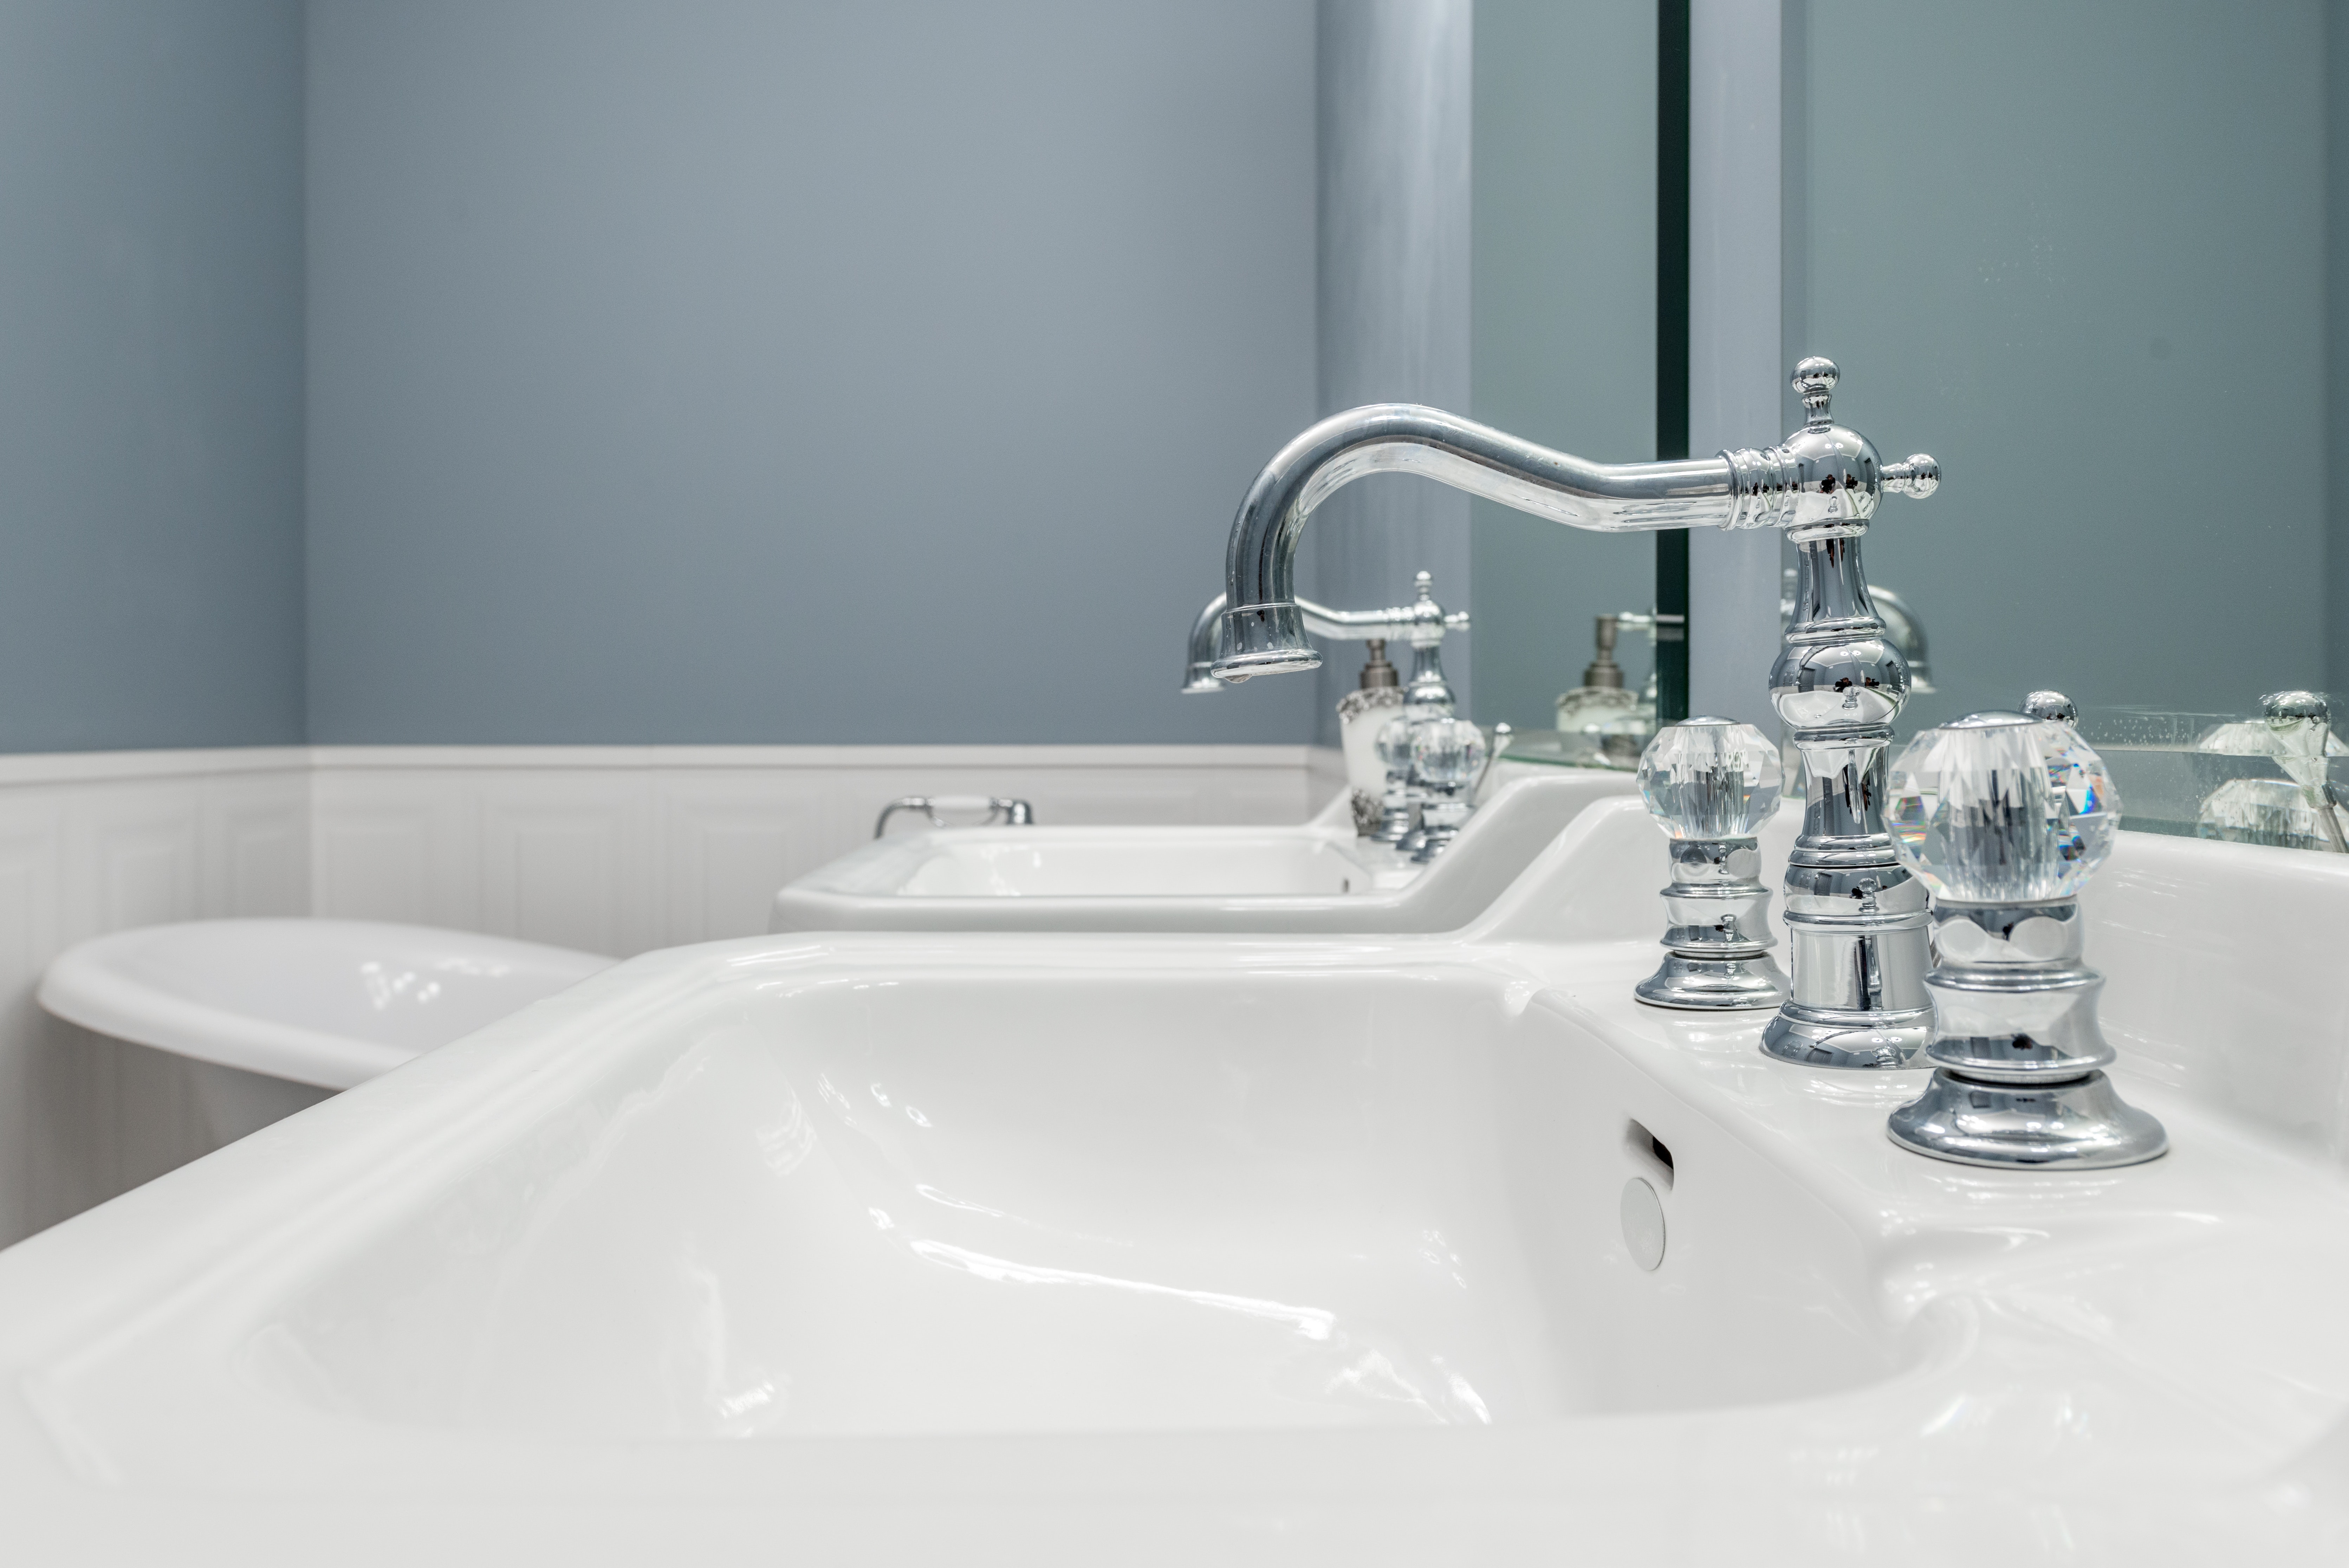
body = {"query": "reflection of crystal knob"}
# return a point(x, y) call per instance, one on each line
point(2000, 808)
point(1394, 746)
point(1711, 783)
point(1448, 754)
point(1710, 778)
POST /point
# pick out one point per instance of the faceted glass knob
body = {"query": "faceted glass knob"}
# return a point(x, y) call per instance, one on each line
point(2002, 808)
point(1448, 752)
point(1710, 779)
point(1394, 744)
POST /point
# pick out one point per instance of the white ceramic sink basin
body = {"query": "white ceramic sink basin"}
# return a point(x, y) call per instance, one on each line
point(1315, 878)
point(1074, 1248)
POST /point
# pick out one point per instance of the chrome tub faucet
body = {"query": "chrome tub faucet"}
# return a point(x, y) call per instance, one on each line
point(1855, 915)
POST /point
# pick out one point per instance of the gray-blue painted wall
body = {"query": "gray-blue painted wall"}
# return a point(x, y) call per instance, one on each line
point(151, 373)
point(754, 372)
point(2077, 252)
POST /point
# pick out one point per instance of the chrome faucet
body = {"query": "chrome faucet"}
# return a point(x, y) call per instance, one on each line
point(1391, 624)
point(1900, 625)
point(1856, 916)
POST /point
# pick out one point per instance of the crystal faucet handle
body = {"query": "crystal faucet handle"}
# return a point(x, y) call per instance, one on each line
point(2001, 809)
point(1447, 753)
point(1708, 779)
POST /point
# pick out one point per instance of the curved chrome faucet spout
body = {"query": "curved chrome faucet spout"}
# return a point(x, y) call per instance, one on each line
point(1822, 475)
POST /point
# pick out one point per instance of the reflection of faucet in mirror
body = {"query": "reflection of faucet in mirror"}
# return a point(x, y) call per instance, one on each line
point(1856, 914)
point(1901, 628)
point(1361, 711)
point(1403, 786)
point(2300, 810)
point(1610, 721)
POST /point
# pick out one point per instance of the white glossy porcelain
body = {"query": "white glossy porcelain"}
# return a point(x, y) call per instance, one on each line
point(1082, 1249)
point(324, 1002)
point(1315, 878)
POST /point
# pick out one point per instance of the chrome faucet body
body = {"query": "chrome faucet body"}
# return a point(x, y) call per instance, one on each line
point(1857, 997)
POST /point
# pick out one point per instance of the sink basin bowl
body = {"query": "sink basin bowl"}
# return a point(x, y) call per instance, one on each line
point(1183, 1248)
point(1315, 878)
point(975, 1198)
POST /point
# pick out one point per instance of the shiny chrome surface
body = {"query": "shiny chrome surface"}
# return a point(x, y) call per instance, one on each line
point(1378, 626)
point(1901, 624)
point(1822, 477)
point(2017, 1054)
point(2051, 705)
point(999, 810)
point(1855, 915)
point(1711, 783)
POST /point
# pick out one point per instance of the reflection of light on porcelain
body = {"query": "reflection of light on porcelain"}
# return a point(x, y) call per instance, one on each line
point(881, 1220)
point(788, 1142)
point(879, 1093)
point(1312, 1323)
point(834, 1098)
point(743, 1397)
point(1464, 1393)
point(481, 968)
point(916, 1117)
point(1371, 1373)
point(385, 987)
point(934, 1196)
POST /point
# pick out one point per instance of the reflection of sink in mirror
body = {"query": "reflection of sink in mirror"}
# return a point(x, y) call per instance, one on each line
point(1317, 876)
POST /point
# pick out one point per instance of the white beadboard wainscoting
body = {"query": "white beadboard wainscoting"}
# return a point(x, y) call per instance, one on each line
point(616, 849)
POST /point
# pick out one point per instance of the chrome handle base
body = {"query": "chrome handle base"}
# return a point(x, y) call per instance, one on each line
point(2018, 1060)
point(1717, 944)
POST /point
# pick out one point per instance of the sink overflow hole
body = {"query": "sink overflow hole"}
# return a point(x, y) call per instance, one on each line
point(1649, 1153)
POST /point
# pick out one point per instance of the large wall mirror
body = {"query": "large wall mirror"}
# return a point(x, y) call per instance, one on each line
point(2080, 253)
